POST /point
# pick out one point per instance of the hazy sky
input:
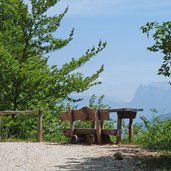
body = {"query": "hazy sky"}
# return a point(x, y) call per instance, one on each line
point(127, 62)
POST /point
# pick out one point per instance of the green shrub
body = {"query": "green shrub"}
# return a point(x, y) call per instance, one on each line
point(157, 134)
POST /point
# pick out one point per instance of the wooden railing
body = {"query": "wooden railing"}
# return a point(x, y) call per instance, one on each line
point(39, 121)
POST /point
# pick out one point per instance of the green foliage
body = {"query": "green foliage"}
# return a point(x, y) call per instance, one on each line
point(27, 82)
point(157, 134)
point(161, 34)
point(97, 102)
point(82, 124)
point(137, 132)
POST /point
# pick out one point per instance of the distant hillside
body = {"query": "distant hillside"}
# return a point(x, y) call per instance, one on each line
point(165, 116)
point(112, 102)
point(153, 96)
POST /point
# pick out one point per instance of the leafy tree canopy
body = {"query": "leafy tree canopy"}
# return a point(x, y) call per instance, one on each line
point(26, 35)
point(161, 34)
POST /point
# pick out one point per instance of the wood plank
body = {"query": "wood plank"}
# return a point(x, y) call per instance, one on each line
point(67, 132)
point(65, 116)
point(109, 132)
point(9, 112)
point(83, 114)
point(103, 115)
point(79, 131)
point(98, 127)
point(125, 109)
point(119, 127)
point(130, 130)
point(86, 114)
point(126, 114)
point(70, 112)
point(87, 131)
point(39, 126)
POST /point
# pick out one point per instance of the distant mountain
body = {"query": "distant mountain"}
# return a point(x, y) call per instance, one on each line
point(153, 96)
point(165, 116)
point(112, 102)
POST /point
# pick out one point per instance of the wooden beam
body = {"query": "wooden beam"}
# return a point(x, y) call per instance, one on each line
point(123, 110)
point(103, 115)
point(119, 127)
point(79, 131)
point(39, 126)
point(85, 114)
point(39, 122)
point(70, 112)
point(65, 116)
point(87, 131)
point(98, 127)
point(109, 132)
point(130, 130)
point(9, 112)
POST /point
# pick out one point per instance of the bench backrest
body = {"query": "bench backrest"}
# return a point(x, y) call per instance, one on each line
point(84, 114)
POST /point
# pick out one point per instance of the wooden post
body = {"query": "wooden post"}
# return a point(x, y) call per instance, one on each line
point(70, 111)
point(130, 130)
point(1, 128)
point(119, 127)
point(39, 126)
point(98, 127)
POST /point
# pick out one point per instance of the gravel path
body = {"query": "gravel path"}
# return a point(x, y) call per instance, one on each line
point(54, 157)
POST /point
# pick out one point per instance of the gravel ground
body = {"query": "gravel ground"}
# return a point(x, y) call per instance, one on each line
point(54, 157)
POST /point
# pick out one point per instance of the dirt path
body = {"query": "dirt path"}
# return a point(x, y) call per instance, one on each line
point(54, 157)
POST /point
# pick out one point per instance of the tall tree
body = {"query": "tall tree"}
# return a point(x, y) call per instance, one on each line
point(161, 33)
point(26, 35)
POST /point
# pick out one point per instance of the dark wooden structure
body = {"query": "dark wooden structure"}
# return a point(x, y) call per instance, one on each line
point(125, 113)
point(39, 122)
point(88, 134)
point(98, 116)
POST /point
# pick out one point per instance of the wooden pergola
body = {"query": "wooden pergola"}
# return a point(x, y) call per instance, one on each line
point(39, 121)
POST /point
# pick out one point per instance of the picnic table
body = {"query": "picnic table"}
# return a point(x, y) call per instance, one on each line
point(98, 116)
point(125, 113)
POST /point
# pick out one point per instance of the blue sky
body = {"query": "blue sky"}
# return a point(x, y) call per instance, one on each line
point(127, 62)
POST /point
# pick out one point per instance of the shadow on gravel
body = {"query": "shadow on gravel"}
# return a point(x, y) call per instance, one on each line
point(89, 164)
point(109, 163)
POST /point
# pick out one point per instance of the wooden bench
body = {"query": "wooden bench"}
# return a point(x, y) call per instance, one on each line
point(90, 135)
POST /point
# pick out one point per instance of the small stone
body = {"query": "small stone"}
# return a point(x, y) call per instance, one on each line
point(118, 156)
